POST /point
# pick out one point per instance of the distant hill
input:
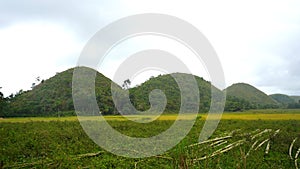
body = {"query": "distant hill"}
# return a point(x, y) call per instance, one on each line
point(296, 104)
point(166, 83)
point(296, 98)
point(54, 96)
point(282, 99)
point(252, 95)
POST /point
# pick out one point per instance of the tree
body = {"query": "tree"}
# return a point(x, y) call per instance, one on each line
point(126, 84)
point(3, 104)
point(1, 94)
point(37, 81)
point(33, 85)
point(293, 106)
point(19, 92)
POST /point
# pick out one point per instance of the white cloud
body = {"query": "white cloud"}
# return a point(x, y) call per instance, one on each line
point(253, 39)
point(247, 35)
point(29, 50)
point(122, 51)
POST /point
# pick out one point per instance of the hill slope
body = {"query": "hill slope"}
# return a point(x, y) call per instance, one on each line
point(282, 99)
point(296, 98)
point(246, 92)
point(55, 95)
point(167, 84)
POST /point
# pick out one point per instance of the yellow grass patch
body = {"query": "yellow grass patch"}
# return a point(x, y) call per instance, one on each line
point(225, 116)
point(233, 116)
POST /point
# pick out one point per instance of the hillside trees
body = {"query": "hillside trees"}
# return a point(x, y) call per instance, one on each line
point(293, 106)
point(168, 85)
point(3, 105)
point(53, 97)
point(126, 84)
point(257, 98)
point(237, 104)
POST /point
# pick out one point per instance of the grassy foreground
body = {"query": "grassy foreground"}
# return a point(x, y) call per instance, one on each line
point(243, 140)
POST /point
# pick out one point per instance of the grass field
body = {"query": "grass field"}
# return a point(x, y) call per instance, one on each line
point(253, 139)
point(247, 115)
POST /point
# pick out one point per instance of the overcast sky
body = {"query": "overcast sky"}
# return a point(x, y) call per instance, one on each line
point(256, 41)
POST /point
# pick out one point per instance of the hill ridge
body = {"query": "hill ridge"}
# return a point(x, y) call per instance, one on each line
point(55, 95)
point(251, 94)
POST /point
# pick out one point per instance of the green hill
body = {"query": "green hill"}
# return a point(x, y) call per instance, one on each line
point(296, 98)
point(282, 99)
point(167, 84)
point(248, 93)
point(296, 104)
point(54, 96)
point(237, 104)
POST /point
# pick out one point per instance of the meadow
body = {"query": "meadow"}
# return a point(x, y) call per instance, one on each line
point(252, 139)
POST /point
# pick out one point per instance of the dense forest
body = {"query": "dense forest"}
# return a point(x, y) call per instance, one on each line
point(53, 97)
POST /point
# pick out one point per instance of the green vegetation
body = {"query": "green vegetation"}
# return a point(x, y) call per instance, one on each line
point(234, 104)
point(251, 96)
point(53, 97)
point(295, 105)
point(140, 95)
point(235, 144)
point(296, 98)
point(285, 100)
point(290, 102)
point(3, 104)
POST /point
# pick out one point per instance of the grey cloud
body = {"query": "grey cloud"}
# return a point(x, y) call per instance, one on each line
point(284, 76)
point(84, 17)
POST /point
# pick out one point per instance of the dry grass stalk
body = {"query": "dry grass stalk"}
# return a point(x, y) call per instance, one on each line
point(259, 134)
point(291, 148)
point(263, 142)
point(252, 147)
point(232, 132)
point(251, 133)
point(211, 140)
point(268, 145)
point(217, 145)
point(220, 151)
point(136, 163)
point(89, 154)
point(267, 148)
point(297, 154)
point(232, 144)
point(276, 132)
point(296, 158)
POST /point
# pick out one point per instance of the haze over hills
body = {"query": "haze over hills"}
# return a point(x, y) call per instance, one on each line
point(53, 97)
